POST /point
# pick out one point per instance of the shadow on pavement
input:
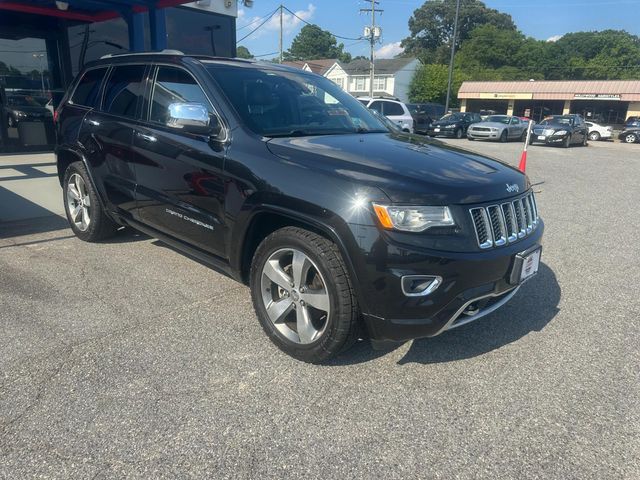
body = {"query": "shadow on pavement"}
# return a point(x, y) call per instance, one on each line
point(533, 307)
point(30, 226)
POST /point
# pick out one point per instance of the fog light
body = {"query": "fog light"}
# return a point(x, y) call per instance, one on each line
point(420, 285)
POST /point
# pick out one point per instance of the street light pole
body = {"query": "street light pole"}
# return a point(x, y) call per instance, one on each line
point(281, 7)
point(453, 52)
point(40, 56)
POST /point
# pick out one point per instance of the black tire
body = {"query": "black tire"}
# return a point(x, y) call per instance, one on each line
point(459, 133)
point(630, 138)
point(342, 327)
point(100, 225)
point(503, 137)
point(594, 136)
point(523, 137)
point(471, 139)
point(567, 142)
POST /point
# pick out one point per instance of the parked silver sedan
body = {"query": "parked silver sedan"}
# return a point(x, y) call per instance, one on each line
point(498, 127)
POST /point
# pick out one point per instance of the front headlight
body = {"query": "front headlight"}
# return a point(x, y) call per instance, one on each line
point(413, 218)
point(561, 132)
point(20, 114)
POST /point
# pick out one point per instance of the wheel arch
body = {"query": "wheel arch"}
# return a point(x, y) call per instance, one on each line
point(269, 218)
point(65, 156)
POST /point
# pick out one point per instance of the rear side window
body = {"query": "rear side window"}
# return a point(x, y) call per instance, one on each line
point(124, 90)
point(391, 108)
point(86, 93)
point(377, 106)
point(174, 85)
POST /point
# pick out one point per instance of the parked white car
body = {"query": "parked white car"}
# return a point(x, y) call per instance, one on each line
point(393, 109)
point(599, 132)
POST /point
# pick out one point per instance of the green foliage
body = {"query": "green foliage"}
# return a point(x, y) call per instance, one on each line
point(429, 84)
point(313, 43)
point(431, 27)
point(243, 52)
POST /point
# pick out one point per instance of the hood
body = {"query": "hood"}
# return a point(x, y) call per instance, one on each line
point(552, 126)
point(489, 124)
point(407, 168)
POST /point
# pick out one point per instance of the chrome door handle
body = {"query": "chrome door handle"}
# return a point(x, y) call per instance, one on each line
point(145, 137)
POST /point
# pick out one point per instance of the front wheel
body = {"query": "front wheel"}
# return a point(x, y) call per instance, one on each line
point(84, 212)
point(630, 138)
point(503, 137)
point(303, 296)
point(567, 142)
point(459, 133)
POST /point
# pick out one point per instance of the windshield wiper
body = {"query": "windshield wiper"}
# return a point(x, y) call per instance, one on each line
point(292, 133)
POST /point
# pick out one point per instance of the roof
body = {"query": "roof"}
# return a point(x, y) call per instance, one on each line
point(628, 90)
point(86, 10)
point(319, 66)
point(383, 66)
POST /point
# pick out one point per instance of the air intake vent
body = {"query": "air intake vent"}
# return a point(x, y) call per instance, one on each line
point(498, 225)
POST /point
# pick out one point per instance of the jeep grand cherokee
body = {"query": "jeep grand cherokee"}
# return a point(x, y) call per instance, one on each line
point(285, 182)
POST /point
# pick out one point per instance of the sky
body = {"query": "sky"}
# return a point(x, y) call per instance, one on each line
point(541, 19)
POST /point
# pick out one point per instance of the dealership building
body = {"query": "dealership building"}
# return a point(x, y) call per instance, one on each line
point(44, 43)
point(605, 101)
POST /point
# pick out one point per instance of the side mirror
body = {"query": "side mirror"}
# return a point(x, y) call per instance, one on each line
point(193, 118)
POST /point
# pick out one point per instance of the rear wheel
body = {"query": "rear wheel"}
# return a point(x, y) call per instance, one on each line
point(84, 212)
point(594, 136)
point(303, 296)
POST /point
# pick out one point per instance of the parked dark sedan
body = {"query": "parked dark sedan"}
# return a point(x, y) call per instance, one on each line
point(453, 124)
point(24, 108)
point(630, 135)
point(564, 130)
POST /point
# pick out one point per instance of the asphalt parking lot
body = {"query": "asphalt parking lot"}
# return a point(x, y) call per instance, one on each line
point(127, 359)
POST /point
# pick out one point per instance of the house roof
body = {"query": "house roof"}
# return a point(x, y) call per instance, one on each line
point(319, 66)
point(628, 90)
point(383, 66)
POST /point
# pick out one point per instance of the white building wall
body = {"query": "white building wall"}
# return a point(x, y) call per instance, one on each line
point(403, 78)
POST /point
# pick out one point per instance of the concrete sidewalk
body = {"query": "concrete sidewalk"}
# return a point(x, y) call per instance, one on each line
point(29, 187)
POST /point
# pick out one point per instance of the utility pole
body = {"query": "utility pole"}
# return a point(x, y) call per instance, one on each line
point(453, 52)
point(373, 33)
point(40, 56)
point(281, 8)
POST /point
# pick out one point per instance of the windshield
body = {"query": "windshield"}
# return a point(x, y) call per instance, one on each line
point(280, 103)
point(498, 119)
point(452, 117)
point(556, 120)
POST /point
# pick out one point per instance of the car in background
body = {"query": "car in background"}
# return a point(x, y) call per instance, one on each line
point(599, 132)
point(632, 122)
point(393, 109)
point(630, 135)
point(564, 130)
point(453, 124)
point(393, 127)
point(25, 108)
point(423, 115)
point(498, 127)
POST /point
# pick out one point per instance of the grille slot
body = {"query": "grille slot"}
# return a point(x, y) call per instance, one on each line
point(498, 225)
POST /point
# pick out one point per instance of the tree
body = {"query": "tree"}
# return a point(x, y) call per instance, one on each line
point(243, 52)
point(313, 43)
point(431, 27)
point(429, 84)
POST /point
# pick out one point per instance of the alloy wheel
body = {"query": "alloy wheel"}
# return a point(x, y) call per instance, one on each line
point(594, 136)
point(295, 295)
point(631, 138)
point(78, 202)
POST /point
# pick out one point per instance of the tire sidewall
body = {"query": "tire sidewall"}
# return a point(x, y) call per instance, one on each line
point(594, 136)
point(503, 136)
point(459, 133)
point(630, 138)
point(327, 342)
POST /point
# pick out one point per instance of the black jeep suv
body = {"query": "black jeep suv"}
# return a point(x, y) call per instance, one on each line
point(282, 180)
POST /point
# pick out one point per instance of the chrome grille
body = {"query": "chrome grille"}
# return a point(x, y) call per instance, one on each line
point(497, 225)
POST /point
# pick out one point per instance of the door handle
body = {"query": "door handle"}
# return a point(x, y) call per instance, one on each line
point(145, 137)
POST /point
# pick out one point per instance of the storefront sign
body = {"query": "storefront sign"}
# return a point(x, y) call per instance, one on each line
point(597, 96)
point(506, 96)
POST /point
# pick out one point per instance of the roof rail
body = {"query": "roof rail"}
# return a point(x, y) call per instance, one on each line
point(161, 52)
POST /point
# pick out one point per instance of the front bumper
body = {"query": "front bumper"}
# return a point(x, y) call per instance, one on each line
point(548, 140)
point(483, 135)
point(443, 132)
point(473, 285)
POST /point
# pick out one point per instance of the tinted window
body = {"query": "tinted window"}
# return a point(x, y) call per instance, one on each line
point(377, 106)
point(87, 90)
point(123, 90)
point(275, 102)
point(174, 85)
point(391, 108)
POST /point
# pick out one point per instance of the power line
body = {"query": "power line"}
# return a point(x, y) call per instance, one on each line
point(316, 25)
point(256, 20)
point(252, 31)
